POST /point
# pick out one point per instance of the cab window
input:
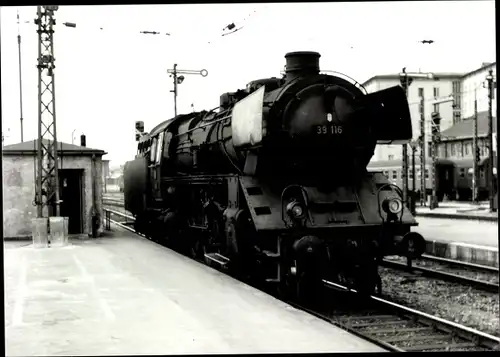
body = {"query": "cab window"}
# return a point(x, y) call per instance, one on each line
point(159, 147)
point(152, 152)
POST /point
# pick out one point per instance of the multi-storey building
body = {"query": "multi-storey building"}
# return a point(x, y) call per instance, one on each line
point(456, 142)
point(472, 87)
point(439, 86)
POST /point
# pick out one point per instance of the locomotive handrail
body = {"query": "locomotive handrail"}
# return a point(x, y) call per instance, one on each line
point(107, 216)
point(203, 125)
point(356, 83)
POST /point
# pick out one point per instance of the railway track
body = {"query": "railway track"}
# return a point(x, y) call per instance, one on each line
point(398, 328)
point(434, 271)
point(490, 273)
point(392, 326)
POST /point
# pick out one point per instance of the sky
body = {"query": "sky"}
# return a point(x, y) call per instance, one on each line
point(106, 79)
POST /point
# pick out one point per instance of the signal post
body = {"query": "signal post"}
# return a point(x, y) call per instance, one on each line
point(406, 79)
point(476, 153)
point(435, 140)
point(179, 79)
point(491, 82)
point(405, 83)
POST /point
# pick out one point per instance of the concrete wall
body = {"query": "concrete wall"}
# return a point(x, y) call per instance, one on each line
point(19, 192)
point(472, 87)
point(18, 195)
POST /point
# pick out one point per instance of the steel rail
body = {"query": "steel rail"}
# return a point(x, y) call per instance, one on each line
point(406, 315)
point(459, 263)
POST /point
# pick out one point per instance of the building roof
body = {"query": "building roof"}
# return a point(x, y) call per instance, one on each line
point(464, 128)
point(483, 67)
point(437, 76)
point(31, 147)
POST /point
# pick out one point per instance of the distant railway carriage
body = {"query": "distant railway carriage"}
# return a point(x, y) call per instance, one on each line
point(463, 177)
point(454, 177)
point(445, 180)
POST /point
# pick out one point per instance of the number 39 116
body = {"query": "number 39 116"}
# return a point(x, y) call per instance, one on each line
point(328, 129)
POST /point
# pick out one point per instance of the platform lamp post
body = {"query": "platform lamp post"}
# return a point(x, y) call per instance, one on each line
point(179, 79)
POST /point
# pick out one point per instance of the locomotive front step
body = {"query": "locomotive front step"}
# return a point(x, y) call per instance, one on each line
point(271, 255)
point(218, 259)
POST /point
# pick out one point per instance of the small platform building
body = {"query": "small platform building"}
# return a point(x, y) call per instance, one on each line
point(80, 188)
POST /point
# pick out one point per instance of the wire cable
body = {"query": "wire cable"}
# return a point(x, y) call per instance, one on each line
point(229, 29)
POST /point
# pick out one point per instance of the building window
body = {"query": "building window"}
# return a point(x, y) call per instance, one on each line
point(386, 174)
point(394, 175)
point(390, 157)
point(462, 172)
point(442, 151)
point(420, 92)
point(453, 153)
point(419, 174)
point(436, 95)
point(426, 173)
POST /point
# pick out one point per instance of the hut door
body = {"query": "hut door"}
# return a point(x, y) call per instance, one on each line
point(71, 194)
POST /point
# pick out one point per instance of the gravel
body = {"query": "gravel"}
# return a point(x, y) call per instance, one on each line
point(454, 302)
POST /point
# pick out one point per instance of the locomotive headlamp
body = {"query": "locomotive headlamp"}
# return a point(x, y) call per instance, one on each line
point(295, 210)
point(393, 205)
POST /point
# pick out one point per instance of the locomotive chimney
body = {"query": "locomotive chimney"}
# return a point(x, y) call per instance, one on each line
point(83, 142)
point(300, 64)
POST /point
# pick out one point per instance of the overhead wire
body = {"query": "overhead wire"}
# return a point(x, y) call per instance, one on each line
point(228, 29)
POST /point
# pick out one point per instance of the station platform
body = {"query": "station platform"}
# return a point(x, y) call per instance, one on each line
point(459, 210)
point(466, 240)
point(122, 294)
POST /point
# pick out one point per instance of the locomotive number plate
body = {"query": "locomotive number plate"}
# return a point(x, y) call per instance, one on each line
point(328, 129)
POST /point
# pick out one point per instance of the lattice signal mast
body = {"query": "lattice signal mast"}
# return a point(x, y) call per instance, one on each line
point(47, 166)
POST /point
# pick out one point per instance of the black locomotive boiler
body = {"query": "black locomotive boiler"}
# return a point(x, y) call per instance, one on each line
point(273, 184)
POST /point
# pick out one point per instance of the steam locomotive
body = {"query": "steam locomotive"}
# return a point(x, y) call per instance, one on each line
point(273, 185)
